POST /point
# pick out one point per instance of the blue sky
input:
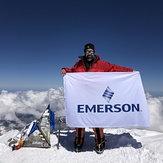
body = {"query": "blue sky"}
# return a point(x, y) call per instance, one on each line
point(38, 38)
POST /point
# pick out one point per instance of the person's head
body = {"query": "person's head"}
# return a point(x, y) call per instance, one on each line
point(89, 51)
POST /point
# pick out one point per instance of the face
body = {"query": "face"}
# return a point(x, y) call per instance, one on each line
point(89, 54)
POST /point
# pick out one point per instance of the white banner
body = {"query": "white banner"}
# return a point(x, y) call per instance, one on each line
point(105, 99)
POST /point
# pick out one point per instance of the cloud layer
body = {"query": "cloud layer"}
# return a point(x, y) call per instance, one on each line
point(20, 108)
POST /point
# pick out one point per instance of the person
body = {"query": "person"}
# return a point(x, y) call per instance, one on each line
point(90, 62)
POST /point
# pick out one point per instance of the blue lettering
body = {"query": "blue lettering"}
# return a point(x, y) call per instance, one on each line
point(108, 108)
point(126, 107)
point(92, 109)
point(137, 108)
point(117, 108)
point(100, 108)
point(80, 108)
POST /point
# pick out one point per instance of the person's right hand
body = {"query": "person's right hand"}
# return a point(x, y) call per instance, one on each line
point(63, 71)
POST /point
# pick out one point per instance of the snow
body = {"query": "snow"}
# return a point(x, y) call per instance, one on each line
point(122, 146)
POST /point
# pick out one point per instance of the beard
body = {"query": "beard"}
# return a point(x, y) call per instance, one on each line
point(89, 58)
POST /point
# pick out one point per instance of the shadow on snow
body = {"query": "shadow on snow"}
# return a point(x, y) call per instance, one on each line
point(113, 141)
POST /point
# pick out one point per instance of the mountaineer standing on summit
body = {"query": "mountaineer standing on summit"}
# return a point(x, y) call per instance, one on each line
point(90, 62)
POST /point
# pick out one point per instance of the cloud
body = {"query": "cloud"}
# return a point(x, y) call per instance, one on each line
point(19, 108)
point(155, 106)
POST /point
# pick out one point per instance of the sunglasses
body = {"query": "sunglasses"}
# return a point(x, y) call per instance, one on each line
point(89, 52)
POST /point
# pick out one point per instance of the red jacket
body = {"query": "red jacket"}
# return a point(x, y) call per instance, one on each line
point(97, 66)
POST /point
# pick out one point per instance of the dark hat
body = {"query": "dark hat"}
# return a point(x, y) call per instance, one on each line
point(89, 46)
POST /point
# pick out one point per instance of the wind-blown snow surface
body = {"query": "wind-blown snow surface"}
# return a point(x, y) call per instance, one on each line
point(123, 145)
